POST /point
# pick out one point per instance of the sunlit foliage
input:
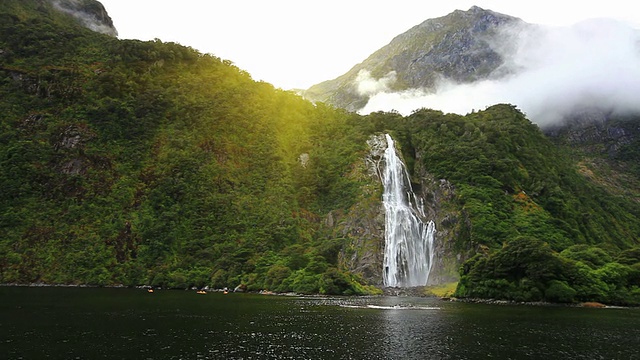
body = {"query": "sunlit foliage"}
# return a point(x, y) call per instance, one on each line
point(130, 162)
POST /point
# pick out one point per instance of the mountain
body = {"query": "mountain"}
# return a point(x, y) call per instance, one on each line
point(461, 46)
point(88, 13)
point(125, 162)
point(129, 162)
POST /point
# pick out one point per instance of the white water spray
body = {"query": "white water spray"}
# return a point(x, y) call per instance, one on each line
point(409, 241)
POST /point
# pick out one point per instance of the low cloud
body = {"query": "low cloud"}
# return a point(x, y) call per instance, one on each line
point(366, 85)
point(548, 73)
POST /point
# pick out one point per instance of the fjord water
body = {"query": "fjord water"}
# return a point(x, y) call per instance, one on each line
point(409, 240)
point(93, 323)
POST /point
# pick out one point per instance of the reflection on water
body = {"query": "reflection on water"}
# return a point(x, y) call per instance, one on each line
point(68, 323)
point(412, 335)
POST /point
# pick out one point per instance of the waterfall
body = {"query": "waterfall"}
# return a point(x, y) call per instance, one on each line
point(409, 241)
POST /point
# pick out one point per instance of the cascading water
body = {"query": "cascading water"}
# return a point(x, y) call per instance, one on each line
point(409, 241)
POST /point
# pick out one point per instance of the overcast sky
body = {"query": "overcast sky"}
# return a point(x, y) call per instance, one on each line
point(295, 44)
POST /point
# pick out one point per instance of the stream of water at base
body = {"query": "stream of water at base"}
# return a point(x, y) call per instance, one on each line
point(94, 323)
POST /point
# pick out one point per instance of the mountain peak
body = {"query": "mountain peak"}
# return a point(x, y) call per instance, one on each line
point(472, 10)
point(455, 47)
point(477, 9)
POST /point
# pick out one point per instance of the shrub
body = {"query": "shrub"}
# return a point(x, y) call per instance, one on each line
point(276, 275)
point(559, 291)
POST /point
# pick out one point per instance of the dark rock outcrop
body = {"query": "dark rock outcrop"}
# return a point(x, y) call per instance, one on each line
point(452, 225)
point(363, 226)
point(90, 13)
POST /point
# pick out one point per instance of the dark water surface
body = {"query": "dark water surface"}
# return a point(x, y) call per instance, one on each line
point(86, 323)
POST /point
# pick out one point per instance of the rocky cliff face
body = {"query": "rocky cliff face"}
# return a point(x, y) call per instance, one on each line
point(90, 13)
point(607, 145)
point(452, 225)
point(597, 131)
point(364, 225)
point(459, 47)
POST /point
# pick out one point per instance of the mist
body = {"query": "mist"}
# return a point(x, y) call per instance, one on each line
point(367, 85)
point(90, 21)
point(548, 74)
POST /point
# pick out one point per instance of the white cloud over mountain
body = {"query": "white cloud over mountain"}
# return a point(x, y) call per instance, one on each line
point(549, 73)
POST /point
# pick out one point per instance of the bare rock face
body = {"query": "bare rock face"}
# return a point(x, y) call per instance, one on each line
point(74, 136)
point(452, 225)
point(363, 226)
point(90, 13)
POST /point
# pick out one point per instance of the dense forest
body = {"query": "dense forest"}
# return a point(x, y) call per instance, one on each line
point(125, 162)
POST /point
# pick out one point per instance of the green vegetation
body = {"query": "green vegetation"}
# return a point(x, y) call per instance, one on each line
point(442, 291)
point(542, 231)
point(527, 269)
point(129, 162)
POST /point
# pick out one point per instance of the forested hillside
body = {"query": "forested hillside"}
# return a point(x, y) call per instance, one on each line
point(129, 162)
point(540, 228)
